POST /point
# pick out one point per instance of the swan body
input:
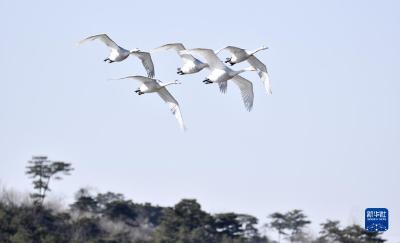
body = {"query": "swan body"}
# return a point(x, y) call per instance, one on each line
point(190, 64)
point(240, 55)
point(221, 74)
point(118, 54)
point(150, 85)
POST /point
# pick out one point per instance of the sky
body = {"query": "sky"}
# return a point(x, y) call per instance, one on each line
point(327, 140)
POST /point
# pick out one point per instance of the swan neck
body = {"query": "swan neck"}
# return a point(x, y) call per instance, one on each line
point(169, 83)
point(259, 49)
point(239, 72)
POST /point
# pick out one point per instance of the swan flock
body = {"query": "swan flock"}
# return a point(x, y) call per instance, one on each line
point(218, 72)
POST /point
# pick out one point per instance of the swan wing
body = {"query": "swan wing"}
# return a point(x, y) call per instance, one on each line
point(262, 72)
point(147, 62)
point(246, 89)
point(173, 105)
point(208, 54)
point(103, 38)
point(171, 46)
point(141, 79)
point(257, 64)
point(236, 51)
point(178, 47)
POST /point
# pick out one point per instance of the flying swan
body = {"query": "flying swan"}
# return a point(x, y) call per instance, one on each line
point(220, 74)
point(240, 55)
point(119, 54)
point(150, 85)
point(190, 64)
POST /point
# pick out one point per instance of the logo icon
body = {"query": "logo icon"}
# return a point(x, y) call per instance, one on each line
point(376, 219)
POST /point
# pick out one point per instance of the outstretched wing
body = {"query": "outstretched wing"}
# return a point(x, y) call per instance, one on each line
point(142, 79)
point(173, 105)
point(234, 50)
point(147, 62)
point(102, 37)
point(262, 72)
point(211, 58)
point(178, 47)
point(171, 46)
point(246, 89)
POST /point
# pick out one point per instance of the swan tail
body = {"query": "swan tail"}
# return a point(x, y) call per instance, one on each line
point(223, 86)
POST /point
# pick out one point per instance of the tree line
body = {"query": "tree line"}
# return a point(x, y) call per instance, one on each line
point(110, 218)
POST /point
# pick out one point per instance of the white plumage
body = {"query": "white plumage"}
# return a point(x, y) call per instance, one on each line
point(150, 85)
point(118, 54)
point(220, 74)
point(190, 63)
point(240, 55)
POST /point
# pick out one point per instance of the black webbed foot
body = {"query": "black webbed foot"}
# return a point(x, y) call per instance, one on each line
point(180, 72)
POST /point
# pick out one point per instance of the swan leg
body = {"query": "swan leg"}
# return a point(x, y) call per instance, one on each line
point(107, 59)
point(180, 72)
point(229, 60)
point(207, 81)
point(138, 92)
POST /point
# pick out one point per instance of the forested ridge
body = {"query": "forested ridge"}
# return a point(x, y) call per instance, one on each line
point(110, 217)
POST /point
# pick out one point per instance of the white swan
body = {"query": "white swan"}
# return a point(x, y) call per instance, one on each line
point(119, 54)
point(150, 85)
point(190, 64)
point(220, 74)
point(240, 55)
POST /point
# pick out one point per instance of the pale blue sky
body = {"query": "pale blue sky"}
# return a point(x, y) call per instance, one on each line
point(327, 141)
